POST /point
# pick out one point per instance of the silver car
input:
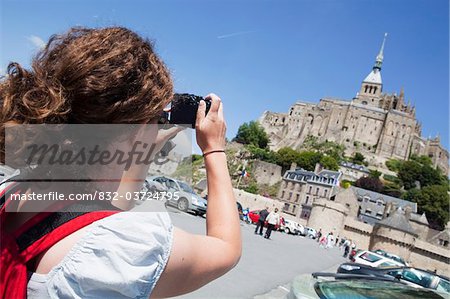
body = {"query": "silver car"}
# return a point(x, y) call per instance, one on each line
point(180, 195)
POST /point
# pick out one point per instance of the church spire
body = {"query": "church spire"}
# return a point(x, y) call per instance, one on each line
point(379, 59)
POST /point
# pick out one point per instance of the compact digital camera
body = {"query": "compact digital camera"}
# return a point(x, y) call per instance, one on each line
point(183, 110)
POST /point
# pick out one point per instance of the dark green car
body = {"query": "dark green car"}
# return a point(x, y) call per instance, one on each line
point(354, 287)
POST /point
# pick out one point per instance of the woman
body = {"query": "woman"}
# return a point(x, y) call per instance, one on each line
point(112, 76)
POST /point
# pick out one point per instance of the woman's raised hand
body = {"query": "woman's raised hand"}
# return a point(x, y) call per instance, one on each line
point(210, 129)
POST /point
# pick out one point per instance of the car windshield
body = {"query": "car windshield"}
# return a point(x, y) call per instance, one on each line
point(443, 286)
point(186, 188)
point(418, 277)
point(367, 256)
point(362, 289)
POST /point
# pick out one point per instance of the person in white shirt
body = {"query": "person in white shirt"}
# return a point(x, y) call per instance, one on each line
point(330, 240)
point(272, 219)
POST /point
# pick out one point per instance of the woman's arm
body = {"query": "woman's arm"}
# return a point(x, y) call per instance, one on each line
point(196, 260)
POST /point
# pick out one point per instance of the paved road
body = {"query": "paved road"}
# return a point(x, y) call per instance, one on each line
point(264, 265)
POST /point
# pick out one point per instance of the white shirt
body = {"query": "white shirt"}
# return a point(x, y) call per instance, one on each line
point(273, 218)
point(120, 256)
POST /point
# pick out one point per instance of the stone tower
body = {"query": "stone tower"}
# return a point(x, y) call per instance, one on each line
point(372, 85)
point(394, 234)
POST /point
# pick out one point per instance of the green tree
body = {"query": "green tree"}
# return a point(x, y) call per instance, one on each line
point(409, 173)
point(263, 154)
point(358, 158)
point(434, 201)
point(370, 183)
point(394, 164)
point(329, 162)
point(252, 133)
point(286, 156)
point(392, 189)
point(329, 148)
point(420, 169)
point(308, 159)
point(252, 188)
point(374, 174)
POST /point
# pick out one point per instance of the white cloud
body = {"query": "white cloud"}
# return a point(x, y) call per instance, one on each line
point(235, 34)
point(37, 41)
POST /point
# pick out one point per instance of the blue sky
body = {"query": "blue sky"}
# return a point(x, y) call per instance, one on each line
point(265, 55)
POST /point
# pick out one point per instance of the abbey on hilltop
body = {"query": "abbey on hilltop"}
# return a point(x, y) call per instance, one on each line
point(379, 125)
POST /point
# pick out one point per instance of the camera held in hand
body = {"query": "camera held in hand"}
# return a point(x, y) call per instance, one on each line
point(183, 110)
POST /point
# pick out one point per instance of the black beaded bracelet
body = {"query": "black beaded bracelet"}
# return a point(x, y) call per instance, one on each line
point(215, 151)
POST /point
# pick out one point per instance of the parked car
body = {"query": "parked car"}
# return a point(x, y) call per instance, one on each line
point(182, 196)
point(254, 216)
point(336, 285)
point(292, 227)
point(310, 232)
point(391, 256)
point(373, 259)
point(411, 276)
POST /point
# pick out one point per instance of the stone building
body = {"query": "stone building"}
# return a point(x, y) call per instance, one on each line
point(266, 173)
point(300, 188)
point(374, 206)
point(380, 125)
point(352, 172)
point(442, 238)
point(420, 225)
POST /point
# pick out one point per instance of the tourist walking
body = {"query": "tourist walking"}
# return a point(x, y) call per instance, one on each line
point(262, 218)
point(273, 219)
point(319, 235)
point(346, 246)
point(330, 241)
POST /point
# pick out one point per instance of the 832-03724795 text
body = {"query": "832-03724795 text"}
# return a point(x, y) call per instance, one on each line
point(97, 195)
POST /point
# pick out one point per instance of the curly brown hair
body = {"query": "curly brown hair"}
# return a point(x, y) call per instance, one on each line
point(91, 76)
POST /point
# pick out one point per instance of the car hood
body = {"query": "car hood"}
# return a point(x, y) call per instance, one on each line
point(302, 287)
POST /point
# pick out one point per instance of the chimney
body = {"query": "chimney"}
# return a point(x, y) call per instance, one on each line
point(408, 211)
point(387, 209)
point(293, 166)
point(318, 168)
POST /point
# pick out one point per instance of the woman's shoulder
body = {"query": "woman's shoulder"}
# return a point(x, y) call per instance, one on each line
point(121, 256)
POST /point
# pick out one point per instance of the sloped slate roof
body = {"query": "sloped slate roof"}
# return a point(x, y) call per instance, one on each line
point(386, 198)
point(419, 218)
point(327, 177)
point(443, 235)
point(355, 166)
point(330, 174)
point(398, 221)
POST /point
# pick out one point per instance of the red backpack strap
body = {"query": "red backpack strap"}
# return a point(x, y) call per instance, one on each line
point(53, 229)
point(25, 244)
